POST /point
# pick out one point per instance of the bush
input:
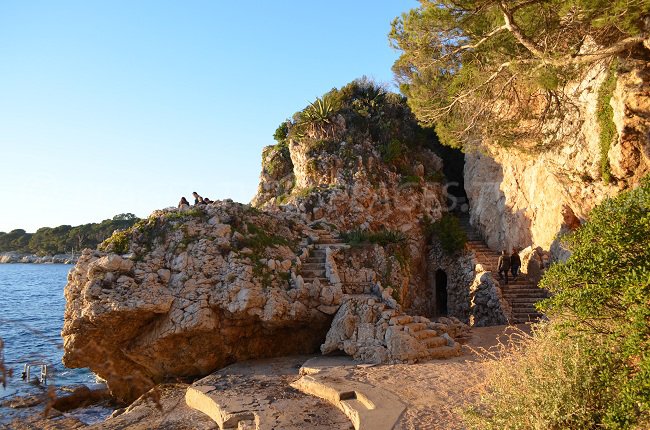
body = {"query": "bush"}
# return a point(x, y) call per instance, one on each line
point(538, 382)
point(363, 237)
point(448, 231)
point(605, 113)
point(598, 341)
point(282, 132)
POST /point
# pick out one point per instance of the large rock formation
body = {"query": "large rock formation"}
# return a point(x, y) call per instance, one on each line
point(199, 288)
point(523, 197)
point(190, 290)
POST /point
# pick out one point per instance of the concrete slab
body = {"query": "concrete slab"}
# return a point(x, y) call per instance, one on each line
point(367, 406)
point(257, 395)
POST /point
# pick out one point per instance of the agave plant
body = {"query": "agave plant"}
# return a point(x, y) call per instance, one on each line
point(316, 119)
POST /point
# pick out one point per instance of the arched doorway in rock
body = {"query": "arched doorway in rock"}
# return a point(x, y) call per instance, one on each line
point(440, 288)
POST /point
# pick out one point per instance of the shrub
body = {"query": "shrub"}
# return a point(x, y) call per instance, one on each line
point(282, 132)
point(604, 114)
point(363, 237)
point(598, 340)
point(448, 231)
point(118, 242)
point(538, 382)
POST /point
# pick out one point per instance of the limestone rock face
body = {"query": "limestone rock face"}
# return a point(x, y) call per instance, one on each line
point(191, 290)
point(522, 198)
point(194, 293)
point(373, 332)
point(629, 155)
point(351, 187)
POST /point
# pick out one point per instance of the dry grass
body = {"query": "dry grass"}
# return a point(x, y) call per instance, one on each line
point(542, 381)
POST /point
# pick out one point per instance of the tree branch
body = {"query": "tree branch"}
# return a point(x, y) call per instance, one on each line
point(566, 60)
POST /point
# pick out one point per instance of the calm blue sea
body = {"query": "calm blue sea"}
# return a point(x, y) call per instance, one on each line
point(31, 319)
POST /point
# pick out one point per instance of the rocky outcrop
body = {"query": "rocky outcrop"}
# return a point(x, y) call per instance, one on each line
point(351, 187)
point(17, 257)
point(373, 332)
point(190, 290)
point(199, 288)
point(521, 197)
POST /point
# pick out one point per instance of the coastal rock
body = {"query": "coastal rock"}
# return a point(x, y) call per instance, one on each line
point(190, 301)
point(521, 197)
point(372, 332)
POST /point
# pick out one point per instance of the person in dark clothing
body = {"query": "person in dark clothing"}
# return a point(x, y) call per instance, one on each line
point(503, 265)
point(183, 202)
point(198, 200)
point(515, 264)
point(207, 201)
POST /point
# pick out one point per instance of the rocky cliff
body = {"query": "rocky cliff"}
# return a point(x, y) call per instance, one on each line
point(190, 290)
point(520, 197)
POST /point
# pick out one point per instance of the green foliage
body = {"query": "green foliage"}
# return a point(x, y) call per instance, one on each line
point(259, 239)
point(448, 231)
point(590, 367)
point(368, 111)
point(282, 132)
point(118, 242)
point(605, 114)
point(125, 217)
point(392, 151)
point(317, 119)
point(276, 160)
point(363, 237)
point(193, 212)
point(410, 179)
point(458, 58)
point(304, 192)
point(64, 238)
point(548, 78)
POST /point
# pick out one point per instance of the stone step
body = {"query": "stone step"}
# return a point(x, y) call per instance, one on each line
point(317, 253)
point(414, 327)
point(401, 320)
point(444, 352)
point(526, 317)
point(521, 307)
point(523, 300)
point(323, 246)
point(318, 273)
point(314, 260)
point(520, 314)
point(322, 280)
point(425, 334)
point(314, 266)
point(435, 342)
point(329, 240)
point(529, 295)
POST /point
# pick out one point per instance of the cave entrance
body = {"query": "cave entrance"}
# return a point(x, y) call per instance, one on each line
point(440, 288)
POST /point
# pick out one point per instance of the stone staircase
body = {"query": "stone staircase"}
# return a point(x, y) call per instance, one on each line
point(522, 294)
point(314, 266)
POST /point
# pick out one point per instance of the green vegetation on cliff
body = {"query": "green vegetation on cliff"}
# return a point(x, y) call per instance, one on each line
point(62, 239)
point(361, 111)
point(590, 366)
point(500, 69)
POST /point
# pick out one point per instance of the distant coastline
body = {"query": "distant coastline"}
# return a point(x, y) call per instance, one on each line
point(20, 257)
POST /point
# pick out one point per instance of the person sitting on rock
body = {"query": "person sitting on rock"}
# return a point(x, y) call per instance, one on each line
point(515, 263)
point(198, 200)
point(207, 201)
point(183, 203)
point(503, 265)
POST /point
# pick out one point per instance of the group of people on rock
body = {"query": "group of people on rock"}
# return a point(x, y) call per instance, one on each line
point(508, 262)
point(198, 200)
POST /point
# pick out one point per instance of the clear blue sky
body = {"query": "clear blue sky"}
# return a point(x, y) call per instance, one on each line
point(125, 106)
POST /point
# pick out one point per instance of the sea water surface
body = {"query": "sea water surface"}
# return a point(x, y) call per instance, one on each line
point(31, 319)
